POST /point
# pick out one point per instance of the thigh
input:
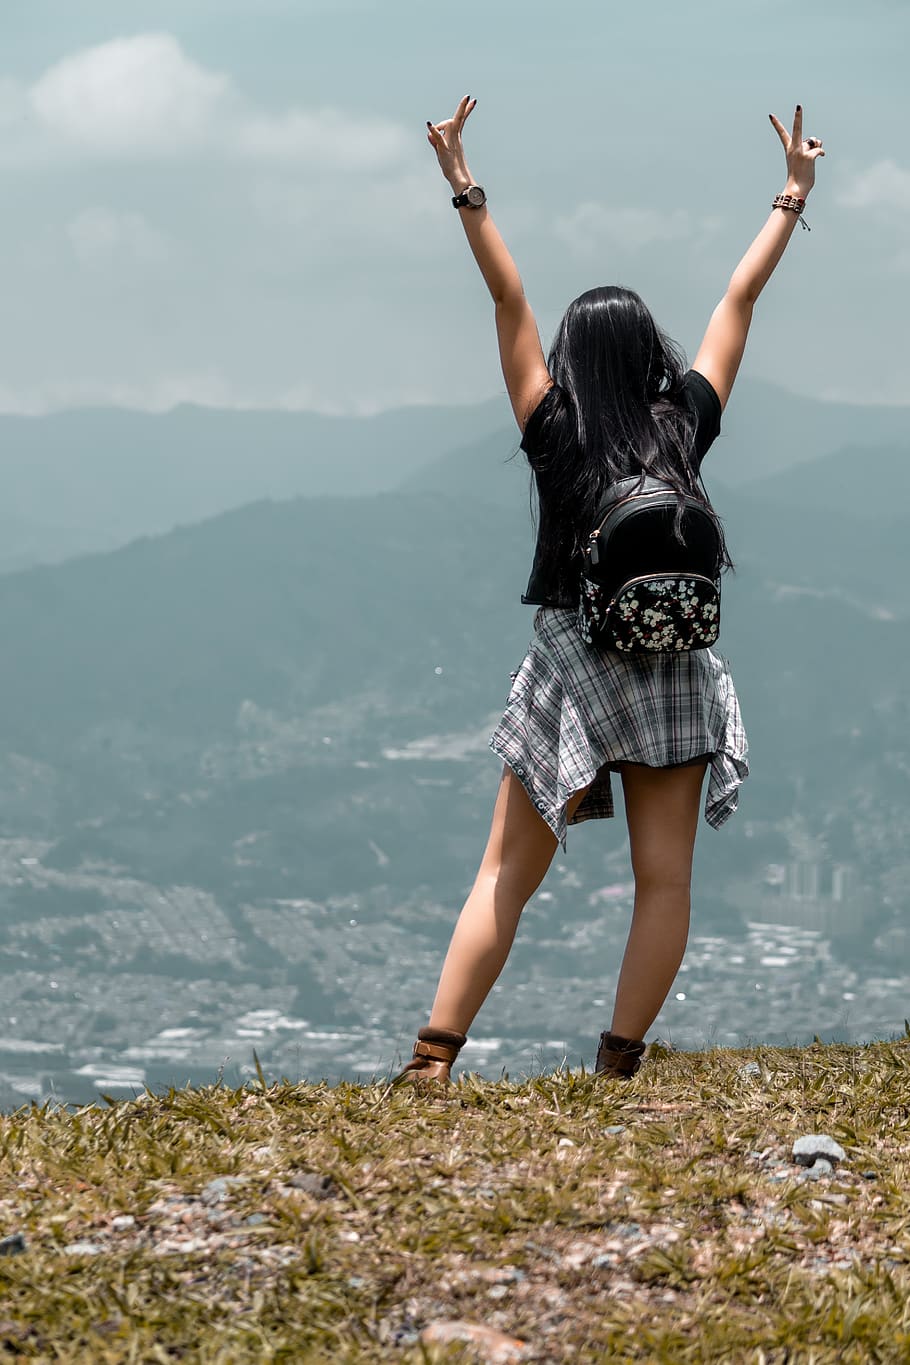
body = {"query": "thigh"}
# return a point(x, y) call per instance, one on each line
point(521, 844)
point(662, 806)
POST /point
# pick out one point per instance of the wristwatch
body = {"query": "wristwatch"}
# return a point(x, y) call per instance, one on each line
point(474, 197)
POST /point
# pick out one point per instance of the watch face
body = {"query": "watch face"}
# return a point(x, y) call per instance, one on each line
point(475, 196)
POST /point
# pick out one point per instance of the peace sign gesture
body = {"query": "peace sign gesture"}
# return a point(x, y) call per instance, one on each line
point(802, 154)
point(445, 139)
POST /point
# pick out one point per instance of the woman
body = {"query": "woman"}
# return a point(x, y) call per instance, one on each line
point(611, 400)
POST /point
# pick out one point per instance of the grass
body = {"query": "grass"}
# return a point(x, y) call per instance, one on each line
point(356, 1217)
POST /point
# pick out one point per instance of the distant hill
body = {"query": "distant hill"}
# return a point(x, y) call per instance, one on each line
point(857, 479)
point(838, 524)
point(227, 653)
point(245, 764)
point(765, 432)
point(92, 480)
point(294, 605)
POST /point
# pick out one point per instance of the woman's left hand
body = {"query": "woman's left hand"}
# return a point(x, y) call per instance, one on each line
point(802, 154)
point(445, 139)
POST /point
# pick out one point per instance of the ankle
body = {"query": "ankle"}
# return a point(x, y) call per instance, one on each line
point(448, 1037)
point(620, 1043)
point(618, 1055)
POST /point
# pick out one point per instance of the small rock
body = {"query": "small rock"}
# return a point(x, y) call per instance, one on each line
point(83, 1249)
point(122, 1222)
point(749, 1071)
point(615, 1129)
point(565, 1142)
point(319, 1186)
point(108, 1327)
point(498, 1291)
point(807, 1150)
point(493, 1347)
point(631, 1230)
point(13, 1245)
point(254, 1220)
point(216, 1191)
point(392, 1333)
point(575, 1256)
point(870, 1175)
point(498, 1274)
point(181, 1246)
point(820, 1167)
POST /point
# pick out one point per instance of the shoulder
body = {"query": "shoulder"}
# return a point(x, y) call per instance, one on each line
point(700, 397)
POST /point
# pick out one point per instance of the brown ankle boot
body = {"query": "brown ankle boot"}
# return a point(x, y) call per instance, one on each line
point(617, 1056)
point(434, 1055)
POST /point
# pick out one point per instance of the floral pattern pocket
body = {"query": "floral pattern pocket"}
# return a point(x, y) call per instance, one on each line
point(656, 614)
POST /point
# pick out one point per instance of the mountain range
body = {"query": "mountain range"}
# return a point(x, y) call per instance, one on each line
point(287, 704)
point(94, 480)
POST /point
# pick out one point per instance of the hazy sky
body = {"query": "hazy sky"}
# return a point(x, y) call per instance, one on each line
point(232, 202)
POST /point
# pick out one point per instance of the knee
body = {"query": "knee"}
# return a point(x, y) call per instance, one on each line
point(663, 883)
point(510, 880)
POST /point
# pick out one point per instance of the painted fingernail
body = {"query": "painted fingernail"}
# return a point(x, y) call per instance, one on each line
point(429, 124)
point(799, 108)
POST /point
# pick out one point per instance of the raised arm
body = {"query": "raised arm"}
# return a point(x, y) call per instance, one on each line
point(722, 348)
point(521, 355)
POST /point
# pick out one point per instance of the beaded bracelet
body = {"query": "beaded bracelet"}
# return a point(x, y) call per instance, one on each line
point(794, 204)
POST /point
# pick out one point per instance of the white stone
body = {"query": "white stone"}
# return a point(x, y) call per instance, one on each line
point(807, 1149)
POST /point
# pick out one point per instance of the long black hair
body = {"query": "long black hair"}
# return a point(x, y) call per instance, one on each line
point(621, 412)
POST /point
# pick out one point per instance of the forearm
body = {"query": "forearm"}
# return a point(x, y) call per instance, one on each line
point(722, 346)
point(493, 258)
point(760, 261)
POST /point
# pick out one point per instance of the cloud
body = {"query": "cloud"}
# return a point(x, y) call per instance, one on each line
point(884, 185)
point(140, 95)
point(100, 237)
point(591, 227)
point(323, 136)
point(144, 97)
point(207, 388)
point(204, 388)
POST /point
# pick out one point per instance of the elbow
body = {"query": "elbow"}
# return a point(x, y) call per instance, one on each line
point(507, 298)
point(743, 294)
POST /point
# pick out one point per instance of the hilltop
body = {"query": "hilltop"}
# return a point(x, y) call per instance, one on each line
point(559, 1218)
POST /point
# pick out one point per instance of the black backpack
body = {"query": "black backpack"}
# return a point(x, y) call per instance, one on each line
point(645, 589)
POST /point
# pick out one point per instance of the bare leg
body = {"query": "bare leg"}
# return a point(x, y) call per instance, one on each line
point(662, 807)
point(518, 853)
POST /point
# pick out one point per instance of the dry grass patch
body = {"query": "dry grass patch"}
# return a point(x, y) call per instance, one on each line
point(663, 1220)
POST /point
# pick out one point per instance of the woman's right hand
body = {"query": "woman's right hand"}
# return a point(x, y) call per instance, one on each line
point(445, 139)
point(802, 154)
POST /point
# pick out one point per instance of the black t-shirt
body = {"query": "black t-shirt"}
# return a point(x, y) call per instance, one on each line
point(555, 584)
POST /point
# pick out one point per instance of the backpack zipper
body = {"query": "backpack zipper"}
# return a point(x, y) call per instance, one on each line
point(593, 552)
point(647, 577)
